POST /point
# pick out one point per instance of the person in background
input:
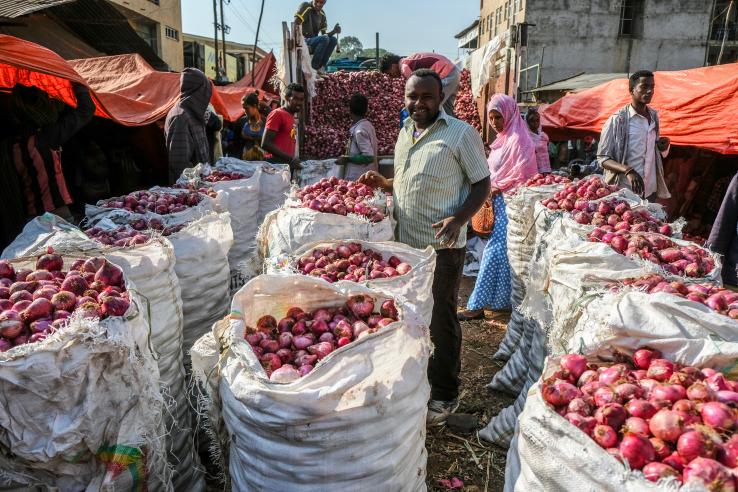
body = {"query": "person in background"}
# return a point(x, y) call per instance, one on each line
point(631, 149)
point(213, 126)
point(540, 140)
point(311, 17)
point(44, 125)
point(252, 130)
point(184, 128)
point(724, 236)
point(280, 135)
point(394, 66)
point(512, 161)
point(583, 157)
point(441, 180)
point(362, 145)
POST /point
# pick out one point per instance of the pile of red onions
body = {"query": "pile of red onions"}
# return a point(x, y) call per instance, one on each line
point(349, 261)
point(341, 197)
point(327, 128)
point(616, 215)
point(150, 201)
point(663, 418)
point(723, 301)
point(588, 189)
point(217, 176)
point(34, 304)
point(291, 347)
point(133, 234)
point(546, 179)
point(465, 106)
point(203, 190)
point(689, 260)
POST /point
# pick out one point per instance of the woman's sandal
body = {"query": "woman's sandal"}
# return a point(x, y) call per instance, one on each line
point(468, 315)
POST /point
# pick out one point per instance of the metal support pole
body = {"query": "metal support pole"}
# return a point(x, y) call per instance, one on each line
point(222, 34)
point(725, 31)
point(376, 53)
point(215, 38)
point(256, 42)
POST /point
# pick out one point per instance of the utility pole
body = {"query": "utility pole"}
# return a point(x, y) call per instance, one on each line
point(256, 42)
point(223, 30)
point(376, 53)
point(215, 38)
point(725, 31)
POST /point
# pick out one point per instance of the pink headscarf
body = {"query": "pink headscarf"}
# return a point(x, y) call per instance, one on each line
point(513, 157)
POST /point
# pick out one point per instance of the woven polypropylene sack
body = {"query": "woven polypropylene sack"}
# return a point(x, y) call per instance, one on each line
point(416, 287)
point(366, 400)
point(511, 377)
point(94, 407)
point(513, 336)
point(286, 230)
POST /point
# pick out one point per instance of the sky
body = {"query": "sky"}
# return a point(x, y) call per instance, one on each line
point(404, 26)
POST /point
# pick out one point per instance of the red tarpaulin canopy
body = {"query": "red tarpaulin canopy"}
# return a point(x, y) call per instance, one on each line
point(125, 88)
point(696, 108)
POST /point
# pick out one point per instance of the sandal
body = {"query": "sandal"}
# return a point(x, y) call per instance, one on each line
point(470, 315)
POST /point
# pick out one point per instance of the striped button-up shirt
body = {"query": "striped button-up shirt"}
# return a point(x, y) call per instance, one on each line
point(433, 178)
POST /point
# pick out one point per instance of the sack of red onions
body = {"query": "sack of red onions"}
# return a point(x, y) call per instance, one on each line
point(392, 267)
point(642, 421)
point(72, 335)
point(150, 266)
point(180, 204)
point(238, 194)
point(331, 208)
point(354, 390)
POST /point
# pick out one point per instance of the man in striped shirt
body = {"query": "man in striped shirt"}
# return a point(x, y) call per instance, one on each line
point(441, 180)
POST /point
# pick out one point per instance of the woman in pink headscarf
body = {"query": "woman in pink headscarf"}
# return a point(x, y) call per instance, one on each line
point(511, 162)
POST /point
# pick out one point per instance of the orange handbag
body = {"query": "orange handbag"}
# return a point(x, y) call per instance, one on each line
point(484, 220)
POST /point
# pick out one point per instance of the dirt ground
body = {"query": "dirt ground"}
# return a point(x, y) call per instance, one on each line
point(480, 465)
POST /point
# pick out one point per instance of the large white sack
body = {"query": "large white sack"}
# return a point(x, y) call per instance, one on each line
point(314, 170)
point(364, 404)
point(274, 182)
point(633, 318)
point(240, 197)
point(84, 403)
point(201, 252)
point(416, 286)
point(556, 456)
point(287, 229)
point(206, 205)
point(151, 268)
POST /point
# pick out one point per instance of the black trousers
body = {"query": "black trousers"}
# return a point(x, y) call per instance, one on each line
point(445, 330)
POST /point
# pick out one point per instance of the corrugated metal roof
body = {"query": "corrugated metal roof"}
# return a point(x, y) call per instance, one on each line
point(467, 29)
point(17, 8)
point(580, 82)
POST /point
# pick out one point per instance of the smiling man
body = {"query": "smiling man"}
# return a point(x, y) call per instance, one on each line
point(630, 148)
point(441, 180)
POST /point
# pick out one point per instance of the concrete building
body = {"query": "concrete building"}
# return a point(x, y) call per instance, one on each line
point(199, 52)
point(571, 37)
point(159, 23)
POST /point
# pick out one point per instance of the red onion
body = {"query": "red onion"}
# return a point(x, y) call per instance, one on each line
point(667, 425)
point(655, 471)
point(612, 414)
point(728, 455)
point(640, 408)
point(709, 472)
point(360, 305)
point(585, 423)
point(695, 443)
point(560, 393)
point(718, 415)
point(660, 369)
point(321, 349)
point(636, 450)
point(605, 436)
point(642, 358)
point(285, 374)
point(661, 448)
point(675, 461)
point(574, 363)
point(636, 425)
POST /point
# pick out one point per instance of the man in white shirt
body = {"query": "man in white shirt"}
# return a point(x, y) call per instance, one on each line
point(631, 149)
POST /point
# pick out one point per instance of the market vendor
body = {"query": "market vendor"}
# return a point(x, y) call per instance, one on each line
point(361, 150)
point(280, 136)
point(631, 149)
point(43, 126)
point(252, 130)
point(724, 234)
point(441, 180)
point(394, 66)
point(184, 129)
point(311, 17)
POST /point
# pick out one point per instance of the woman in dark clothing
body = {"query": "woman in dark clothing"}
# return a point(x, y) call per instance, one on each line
point(34, 155)
point(724, 234)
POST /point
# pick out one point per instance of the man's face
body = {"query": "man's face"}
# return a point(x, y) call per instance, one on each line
point(423, 97)
point(643, 90)
point(294, 102)
point(318, 4)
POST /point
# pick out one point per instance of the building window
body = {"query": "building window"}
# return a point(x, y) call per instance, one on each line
point(507, 10)
point(155, 2)
point(171, 33)
point(631, 18)
point(520, 5)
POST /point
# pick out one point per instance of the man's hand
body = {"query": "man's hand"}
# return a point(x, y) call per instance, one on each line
point(342, 161)
point(636, 182)
point(373, 178)
point(296, 163)
point(663, 143)
point(448, 230)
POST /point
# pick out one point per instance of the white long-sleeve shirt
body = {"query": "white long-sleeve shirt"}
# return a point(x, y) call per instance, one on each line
point(641, 150)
